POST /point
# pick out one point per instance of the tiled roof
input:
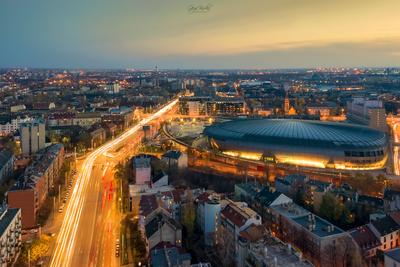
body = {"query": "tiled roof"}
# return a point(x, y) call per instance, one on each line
point(159, 220)
point(364, 237)
point(203, 197)
point(148, 203)
point(234, 216)
point(253, 233)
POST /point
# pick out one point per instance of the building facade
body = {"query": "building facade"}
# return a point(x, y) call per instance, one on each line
point(32, 137)
point(37, 181)
point(6, 164)
point(303, 143)
point(10, 236)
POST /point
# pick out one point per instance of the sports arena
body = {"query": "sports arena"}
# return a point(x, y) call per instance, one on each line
point(304, 143)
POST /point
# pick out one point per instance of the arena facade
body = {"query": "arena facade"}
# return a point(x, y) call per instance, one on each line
point(304, 143)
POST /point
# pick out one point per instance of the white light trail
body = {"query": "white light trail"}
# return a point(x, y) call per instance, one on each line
point(67, 235)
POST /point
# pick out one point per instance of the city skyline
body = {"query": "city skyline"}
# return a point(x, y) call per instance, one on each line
point(199, 34)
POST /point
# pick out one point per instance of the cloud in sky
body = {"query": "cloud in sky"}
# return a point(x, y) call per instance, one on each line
point(232, 34)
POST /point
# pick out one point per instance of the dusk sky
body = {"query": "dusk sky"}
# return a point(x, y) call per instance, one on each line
point(226, 34)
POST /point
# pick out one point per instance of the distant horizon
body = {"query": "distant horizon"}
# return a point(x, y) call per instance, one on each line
point(199, 34)
point(198, 69)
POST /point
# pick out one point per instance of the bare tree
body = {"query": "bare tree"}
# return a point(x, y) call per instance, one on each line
point(341, 252)
point(225, 246)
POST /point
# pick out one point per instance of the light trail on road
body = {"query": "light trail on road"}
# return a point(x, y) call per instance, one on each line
point(67, 235)
point(396, 161)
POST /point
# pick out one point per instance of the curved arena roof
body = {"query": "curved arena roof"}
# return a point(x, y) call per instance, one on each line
point(298, 132)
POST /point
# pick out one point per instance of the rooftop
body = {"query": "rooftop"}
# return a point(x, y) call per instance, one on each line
point(148, 203)
point(44, 159)
point(298, 132)
point(237, 213)
point(321, 227)
point(174, 154)
point(141, 162)
point(5, 156)
point(290, 210)
point(270, 251)
point(385, 225)
point(394, 254)
point(364, 237)
point(169, 256)
point(6, 218)
point(160, 219)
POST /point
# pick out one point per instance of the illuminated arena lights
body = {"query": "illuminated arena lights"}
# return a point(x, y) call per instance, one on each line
point(305, 143)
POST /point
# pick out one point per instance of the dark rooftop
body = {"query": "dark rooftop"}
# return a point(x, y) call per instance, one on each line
point(385, 225)
point(364, 237)
point(5, 156)
point(6, 218)
point(168, 257)
point(394, 254)
point(174, 154)
point(298, 132)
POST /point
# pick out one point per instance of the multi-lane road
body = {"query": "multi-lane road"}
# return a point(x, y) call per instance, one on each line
point(91, 221)
point(396, 159)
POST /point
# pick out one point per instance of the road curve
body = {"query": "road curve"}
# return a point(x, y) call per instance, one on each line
point(66, 238)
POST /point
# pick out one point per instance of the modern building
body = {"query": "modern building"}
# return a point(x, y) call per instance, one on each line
point(224, 106)
point(303, 143)
point(113, 88)
point(368, 112)
point(193, 106)
point(10, 236)
point(208, 212)
point(6, 164)
point(33, 186)
point(32, 137)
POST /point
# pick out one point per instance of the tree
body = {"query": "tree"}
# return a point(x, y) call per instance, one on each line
point(331, 207)
point(119, 171)
point(341, 252)
point(188, 218)
point(66, 141)
point(368, 184)
point(225, 246)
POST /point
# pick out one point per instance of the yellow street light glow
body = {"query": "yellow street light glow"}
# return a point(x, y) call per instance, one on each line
point(64, 246)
